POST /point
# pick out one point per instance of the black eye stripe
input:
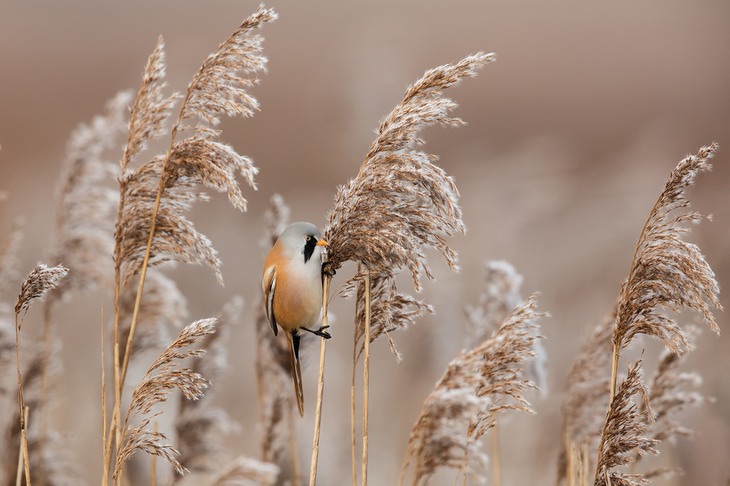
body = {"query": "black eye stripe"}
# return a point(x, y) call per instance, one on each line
point(309, 246)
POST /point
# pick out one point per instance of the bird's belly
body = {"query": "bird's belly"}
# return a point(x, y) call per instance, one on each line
point(297, 307)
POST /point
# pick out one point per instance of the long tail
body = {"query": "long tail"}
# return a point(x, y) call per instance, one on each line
point(296, 371)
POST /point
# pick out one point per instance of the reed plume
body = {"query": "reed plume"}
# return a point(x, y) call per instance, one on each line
point(671, 391)
point(399, 204)
point(200, 425)
point(478, 385)
point(163, 189)
point(151, 227)
point(625, 432)
point(36, 285)
point(500, 295)
point(165, 375)
point(666, 273)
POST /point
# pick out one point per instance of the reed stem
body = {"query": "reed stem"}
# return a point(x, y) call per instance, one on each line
point(366, 380)
point(320, 385)
point(353, 410)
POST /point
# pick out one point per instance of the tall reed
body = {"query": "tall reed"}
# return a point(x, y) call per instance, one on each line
point(399, 204)
point(666, 274)
point(36, 285)
point(477, 385)
point(151, 227)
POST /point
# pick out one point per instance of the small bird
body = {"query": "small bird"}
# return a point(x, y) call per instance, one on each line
point(292, 285)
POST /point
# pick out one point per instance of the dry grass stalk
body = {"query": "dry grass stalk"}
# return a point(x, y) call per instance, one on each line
point(244, 471)
point(165, 375)
point(151, 228)
point(500, 296)
point(477, 385)
point(400, 202)
point(36, 285)
point(626, 428)
point(49, 456)
point(218, 88)
point(666, 273)
point(320, 384)
point(200, 425)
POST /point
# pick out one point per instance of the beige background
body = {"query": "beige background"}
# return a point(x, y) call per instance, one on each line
point(571, 135)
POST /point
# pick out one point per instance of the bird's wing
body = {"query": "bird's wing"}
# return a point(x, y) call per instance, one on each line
point(269, 284)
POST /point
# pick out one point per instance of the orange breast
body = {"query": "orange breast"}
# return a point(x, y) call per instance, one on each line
point(297, 296)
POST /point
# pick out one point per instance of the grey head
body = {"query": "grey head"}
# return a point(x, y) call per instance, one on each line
point(303, 240)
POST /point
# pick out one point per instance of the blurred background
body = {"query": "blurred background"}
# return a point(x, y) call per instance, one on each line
point(570, 137)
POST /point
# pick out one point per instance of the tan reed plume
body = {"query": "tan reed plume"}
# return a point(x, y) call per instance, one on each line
point(36, 285)
point(666, 274)
point(399, 204)
point(625, 432)
point(151, 227)
point(165, 375)
point(477, 385)
point(200, 425)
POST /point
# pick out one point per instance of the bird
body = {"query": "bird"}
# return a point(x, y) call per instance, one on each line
point(292, 286)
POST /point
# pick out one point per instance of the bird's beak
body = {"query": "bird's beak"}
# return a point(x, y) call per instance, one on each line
point(322, 243)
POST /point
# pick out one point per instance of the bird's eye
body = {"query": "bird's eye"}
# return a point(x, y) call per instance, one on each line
point(308, 238)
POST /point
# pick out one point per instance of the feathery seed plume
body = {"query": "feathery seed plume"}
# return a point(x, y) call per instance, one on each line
point(477, 385)
point(165, 375)
point(401, 202)
point(37, 284)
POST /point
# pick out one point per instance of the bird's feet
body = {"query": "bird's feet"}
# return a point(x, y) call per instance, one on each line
point(321, 332)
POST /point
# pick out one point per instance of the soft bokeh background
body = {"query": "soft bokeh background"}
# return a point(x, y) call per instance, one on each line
point(571, 135)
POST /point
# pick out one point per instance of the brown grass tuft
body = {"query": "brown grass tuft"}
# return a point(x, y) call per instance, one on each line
point(165, 375)
point(627, 424)
point(38, 282)
point(667, 274)
point(477, 386)
point(666, 271)
point(200, 425)
point(401, 202)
